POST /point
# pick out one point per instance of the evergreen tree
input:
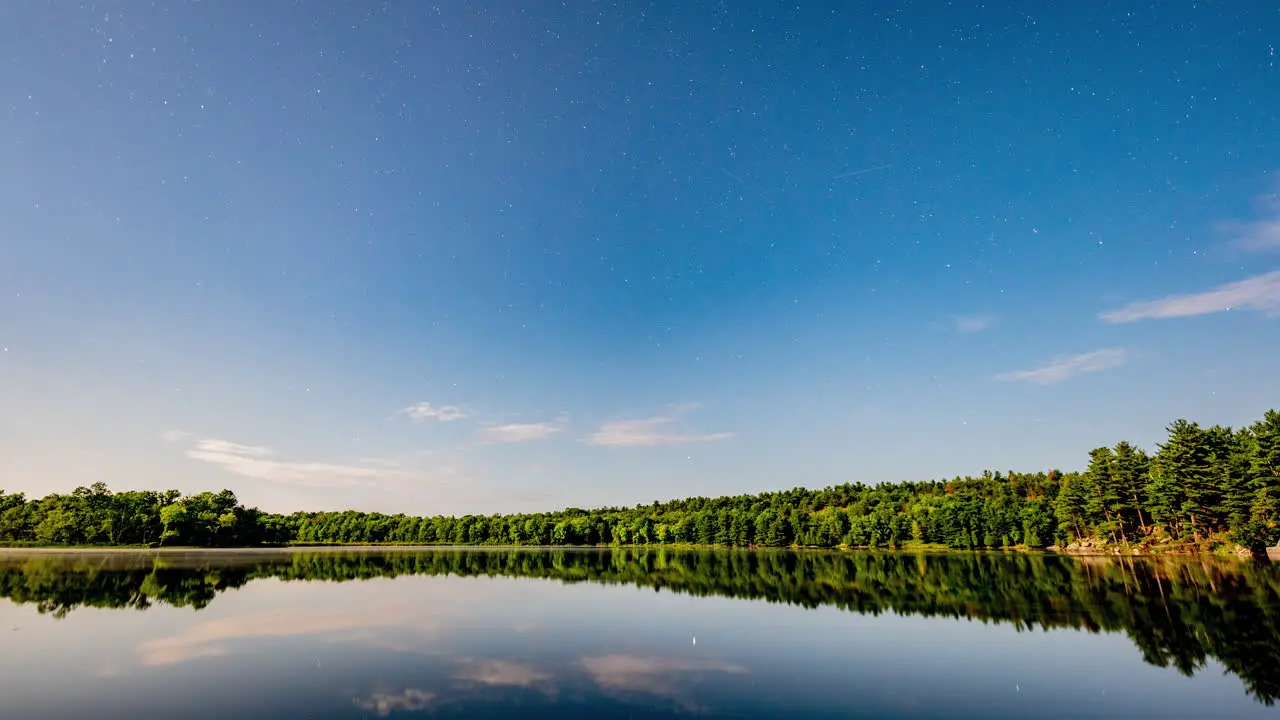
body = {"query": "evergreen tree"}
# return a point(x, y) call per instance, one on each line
point(1070, 508)
point(1264, 461)
point(1186, 460)
point(1164, 500)
point(1230, 458)
point(1264, 472)
point(1130, 470)
point(1100, 495)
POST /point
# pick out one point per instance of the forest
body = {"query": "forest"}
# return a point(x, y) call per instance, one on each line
point(1178, 612)
point(1203, 488)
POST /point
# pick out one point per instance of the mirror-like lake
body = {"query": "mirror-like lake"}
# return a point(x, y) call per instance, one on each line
point(633, 634)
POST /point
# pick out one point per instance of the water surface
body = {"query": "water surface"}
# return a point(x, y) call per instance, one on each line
point(633, 634)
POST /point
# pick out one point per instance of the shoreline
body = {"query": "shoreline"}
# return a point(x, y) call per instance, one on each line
point(1272, 553)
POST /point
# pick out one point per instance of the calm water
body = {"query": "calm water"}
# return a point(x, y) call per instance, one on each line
point(590, 634)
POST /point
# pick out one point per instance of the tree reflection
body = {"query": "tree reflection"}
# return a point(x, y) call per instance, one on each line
point(1178, 612)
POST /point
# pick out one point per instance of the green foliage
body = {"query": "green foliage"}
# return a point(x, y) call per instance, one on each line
point(1187, 461)
point(97, 516)
point(1214, 483)
point(1179, 613)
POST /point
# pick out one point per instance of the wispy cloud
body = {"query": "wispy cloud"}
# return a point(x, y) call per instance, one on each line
point(501, 673)
point(257, 462)
point(1260, 235)
point(214, 638)
point(1261, 293)
point(668, 677)
point(1066, 368)
point(649, 431)
point(519, 432)
point(174, 436)
point(972, 323)
point(426, 411)
point(383, 704)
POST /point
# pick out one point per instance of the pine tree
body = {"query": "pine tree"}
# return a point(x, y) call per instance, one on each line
point(1069, 507)
point(1130, 472)
point(1264, 471)
point(1264, 461)
point(1164, 499)
point(1186, 461)
point(1099, 493)
point(1230, 459)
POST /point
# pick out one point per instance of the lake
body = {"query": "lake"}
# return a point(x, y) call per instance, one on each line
point(380, 633)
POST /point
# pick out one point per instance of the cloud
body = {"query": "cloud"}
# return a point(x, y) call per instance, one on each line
point(427, 411)
point(647, 432)
point(973, 323)
point(663, 677)
point(220, 447)
point(1260, 236)
point(174, 436)
point(256, 462)
point(212, 638)
point(501, 673)
point(519, 432)
point(1261, 293)
point(1068, 367)
point(384, 704)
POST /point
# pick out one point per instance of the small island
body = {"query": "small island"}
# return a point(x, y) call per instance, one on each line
point(1204, 490)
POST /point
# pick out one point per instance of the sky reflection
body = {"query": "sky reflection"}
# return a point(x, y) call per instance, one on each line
point(493, 646)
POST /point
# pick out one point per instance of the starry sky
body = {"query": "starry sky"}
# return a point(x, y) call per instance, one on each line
point(483, 257)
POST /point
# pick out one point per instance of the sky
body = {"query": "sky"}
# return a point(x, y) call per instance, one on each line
point(497, 257)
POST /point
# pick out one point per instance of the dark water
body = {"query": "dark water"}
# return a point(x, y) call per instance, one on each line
point(594, 634)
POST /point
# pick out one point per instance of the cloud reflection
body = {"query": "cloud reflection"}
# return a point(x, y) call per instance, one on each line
point(501, 673)
point(384, 704)
point(212, 638)
point(666, 677)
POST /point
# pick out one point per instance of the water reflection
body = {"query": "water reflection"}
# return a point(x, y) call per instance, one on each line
point(499, 641)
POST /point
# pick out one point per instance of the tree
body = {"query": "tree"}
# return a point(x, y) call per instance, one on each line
point(1186, 461)
point(1070, 508)
point(1206, 480)
point(1130, 473)
point(175, 519)
point(1101, 496)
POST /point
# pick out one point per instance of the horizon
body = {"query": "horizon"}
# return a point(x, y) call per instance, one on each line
point(499, 259)
point(1005, 474)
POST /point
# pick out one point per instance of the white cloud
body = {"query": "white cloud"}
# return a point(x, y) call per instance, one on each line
point(226, 447)
point(1261, 293)
point(427, 411)
point(519, 432)
point(1259, 236)
point(973, 323)
point(669, 677)
point(501, 673)
point(1068, 367)
point(256, 462)
point(647, 432)
point(174, 436)
point(384, 704)
point(213, 638)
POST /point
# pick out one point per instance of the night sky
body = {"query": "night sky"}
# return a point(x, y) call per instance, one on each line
point(517, 256)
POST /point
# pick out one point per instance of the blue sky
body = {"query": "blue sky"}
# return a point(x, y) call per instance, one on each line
point(478, 258)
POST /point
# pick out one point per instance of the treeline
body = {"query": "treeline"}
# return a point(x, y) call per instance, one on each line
point(1179, 613)
point(97, 516)
point(1202, 485)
